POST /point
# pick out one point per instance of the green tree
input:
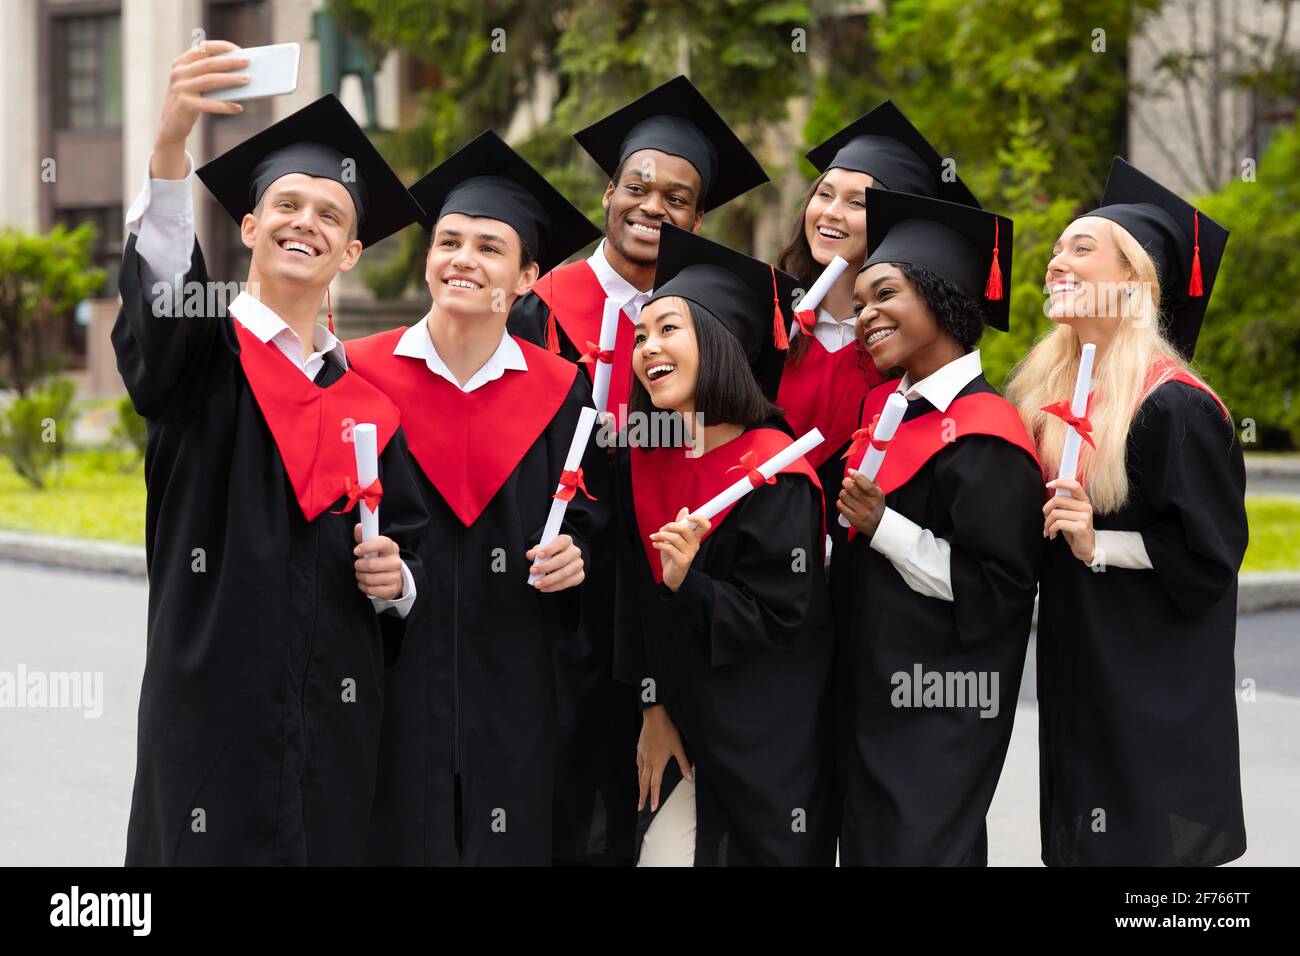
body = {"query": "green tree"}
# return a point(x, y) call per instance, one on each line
point(41, 278)
point(1249, 347)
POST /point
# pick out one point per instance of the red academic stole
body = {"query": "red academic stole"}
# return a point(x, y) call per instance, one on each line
point(467, 444)
point(310, 423)
point(824, 390)
point(577, 302)
point(1162, 371)
point(919, 440)
point(665, 480)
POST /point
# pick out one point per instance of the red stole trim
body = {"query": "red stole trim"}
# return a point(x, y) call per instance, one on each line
point(467, 444)
point(824, 390)
point(665, 480)
point(310, 423)
point(577, 298)
point(1179, 374)
point(919, 440)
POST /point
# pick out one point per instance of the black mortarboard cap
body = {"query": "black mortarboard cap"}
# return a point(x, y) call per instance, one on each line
point(675, 118)
point(487, 178)
point(885, 145)
point(1187, 246)
point(968, 246)
point(752, 299)
point(322, 140)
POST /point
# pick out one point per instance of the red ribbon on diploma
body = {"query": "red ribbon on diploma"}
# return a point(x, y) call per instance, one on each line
point(863, 437)
point(371, 494)
point(806, 319)
point(570, 484)
point(595, 353)
point(749, 465)
point(1079, 423)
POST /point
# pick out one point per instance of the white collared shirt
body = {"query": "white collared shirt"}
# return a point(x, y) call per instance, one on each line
point(162, 219)
point(264, 323)
point(416, 343)
point(833, 333)
point(629, 297)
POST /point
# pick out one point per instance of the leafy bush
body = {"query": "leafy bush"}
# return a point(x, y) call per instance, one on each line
point(35, 430)
point(130, 430)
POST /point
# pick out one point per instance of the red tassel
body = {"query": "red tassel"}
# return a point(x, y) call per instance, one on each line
point(552, 334)
point(779, 335)
point(993, 288)
point(1194, 288)
point(329, 310)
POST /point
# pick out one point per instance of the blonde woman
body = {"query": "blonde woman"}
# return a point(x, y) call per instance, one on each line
point(1137, 606)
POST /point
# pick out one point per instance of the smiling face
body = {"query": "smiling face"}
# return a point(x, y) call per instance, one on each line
point(302, 231)
point(893, 321)
point(835, 221)
point(473, 266)
point(666, 354)
point(1086, 276)
point(652, 187)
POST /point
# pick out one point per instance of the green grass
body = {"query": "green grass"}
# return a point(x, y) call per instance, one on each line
point(90, 496)
point(100, 495)
point(1274, 535)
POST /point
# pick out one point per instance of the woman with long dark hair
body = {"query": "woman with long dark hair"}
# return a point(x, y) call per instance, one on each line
point(724, 625)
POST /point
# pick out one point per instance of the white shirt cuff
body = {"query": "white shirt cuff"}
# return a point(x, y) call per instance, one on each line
point(1120, 549)
point(162, 219)
point(400, 605)
point(923, 561)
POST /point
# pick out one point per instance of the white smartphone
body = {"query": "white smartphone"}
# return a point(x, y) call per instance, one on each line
point(272, 71)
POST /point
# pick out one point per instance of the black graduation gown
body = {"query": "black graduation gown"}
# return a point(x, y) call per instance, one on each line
point(1138, 753)
point(599, 720)
point(740, 656)
point(251, 746)
point(920, 779)
point(469, 752)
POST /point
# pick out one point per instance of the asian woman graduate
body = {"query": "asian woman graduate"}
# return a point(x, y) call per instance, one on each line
point(724, 624)
point(1138, 752)
point(946, 544)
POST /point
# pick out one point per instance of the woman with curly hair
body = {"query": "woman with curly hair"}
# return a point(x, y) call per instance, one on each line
point(945, 546)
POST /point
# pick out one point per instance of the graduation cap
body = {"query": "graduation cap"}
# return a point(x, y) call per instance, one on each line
point(752, 299)
point(487, 178)
point(675, 118)
point(322, 140)
point(964, 244)
point(885, 145)
point(1186, 245)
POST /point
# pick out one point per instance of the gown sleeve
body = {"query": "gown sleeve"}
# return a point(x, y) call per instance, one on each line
point(994, 495)
point(403, 518)
point(631, 662)
point(1191, 471)
point(527, 319)
point(764, 599)
point(167, 356)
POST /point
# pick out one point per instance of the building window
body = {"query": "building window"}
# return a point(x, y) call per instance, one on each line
point(87, 66)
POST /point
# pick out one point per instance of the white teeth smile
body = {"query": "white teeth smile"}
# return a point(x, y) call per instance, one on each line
point(650, 230)
point(879, 336)
point(658, 371)
point(290, 245)
point(829, 233)
point(463, 284)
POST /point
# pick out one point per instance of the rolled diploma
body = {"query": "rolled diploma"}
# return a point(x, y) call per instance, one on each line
point(768, 469)
point(873, 458)
point(813, 297)
point(1078, 405)
point(603, 370)
point(365, 442)
point(586, 418)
